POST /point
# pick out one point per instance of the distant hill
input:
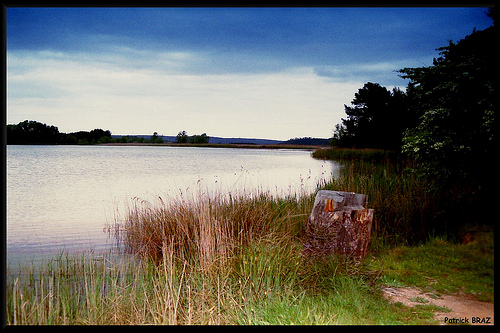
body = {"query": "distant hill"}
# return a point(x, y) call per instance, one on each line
point(213, 140)
point(308, 142)
point(218, 140)
point(243, 141)
point(33, 132)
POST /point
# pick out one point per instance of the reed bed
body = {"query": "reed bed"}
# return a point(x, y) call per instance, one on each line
point(405, 205)
point(350, 154)
point(211, 229)
point(267, 285)
point(190, 262)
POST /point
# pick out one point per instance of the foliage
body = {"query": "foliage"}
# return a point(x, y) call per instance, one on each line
point(33, 132)
point(446, 117)
point(198, 138)
point(93, 137)
point(182, 137)
point(454, 140)
point(155, 138)
point(370, 155)
point(377, 119)
point(131, 139)
point(446, 121)
point(307, 141)
point(29, 132)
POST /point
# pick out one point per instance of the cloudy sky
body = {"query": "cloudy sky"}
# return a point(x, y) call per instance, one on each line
point(274, 73)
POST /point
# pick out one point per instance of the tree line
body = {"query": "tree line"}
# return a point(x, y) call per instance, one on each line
point(445, 121)
point(182, 137)
point(32, 132)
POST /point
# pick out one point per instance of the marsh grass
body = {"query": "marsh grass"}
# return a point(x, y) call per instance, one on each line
point(211, 230)
point(190, 262)
point(98, 291)
point(350, 154)
point(405, 205)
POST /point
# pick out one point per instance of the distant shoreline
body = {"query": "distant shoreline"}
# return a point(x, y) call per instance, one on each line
point(219, 145)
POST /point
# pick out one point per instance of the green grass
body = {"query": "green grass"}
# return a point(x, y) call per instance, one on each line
point(404, 205)
point(217, 259)
point(100, 292)
point(442, 266)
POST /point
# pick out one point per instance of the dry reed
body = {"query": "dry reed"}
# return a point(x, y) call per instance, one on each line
point(208, 230)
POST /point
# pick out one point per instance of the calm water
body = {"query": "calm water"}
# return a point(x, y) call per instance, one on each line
point(64, 197)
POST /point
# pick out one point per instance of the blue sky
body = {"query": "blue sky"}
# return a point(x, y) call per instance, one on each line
point(273, 73)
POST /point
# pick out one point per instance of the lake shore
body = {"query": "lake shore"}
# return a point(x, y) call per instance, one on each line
point(218, 145)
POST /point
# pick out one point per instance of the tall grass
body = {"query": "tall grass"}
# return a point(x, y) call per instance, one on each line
point(372, 155)
point(194, 262)
point(75, 289)
point(266, 286)
point(212, 229)
point(405, 206)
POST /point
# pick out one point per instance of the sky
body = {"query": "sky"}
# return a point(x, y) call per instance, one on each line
point(269, 73)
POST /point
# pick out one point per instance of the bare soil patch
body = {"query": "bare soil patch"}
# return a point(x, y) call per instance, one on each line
point(464, 308)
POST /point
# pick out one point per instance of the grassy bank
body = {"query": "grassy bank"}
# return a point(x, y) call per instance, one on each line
point(221, 259)
point(442, 266)
point(99, 292)
point(404, 204)
point(266, 285)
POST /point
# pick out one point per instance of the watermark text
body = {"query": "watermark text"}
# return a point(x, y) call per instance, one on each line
point(468, 320)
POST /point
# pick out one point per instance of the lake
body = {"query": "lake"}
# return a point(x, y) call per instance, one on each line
point(65, 197)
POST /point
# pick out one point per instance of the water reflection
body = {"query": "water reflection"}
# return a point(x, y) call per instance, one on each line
point(63, 197)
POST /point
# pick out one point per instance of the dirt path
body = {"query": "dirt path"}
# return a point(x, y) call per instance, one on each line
point(463, 308)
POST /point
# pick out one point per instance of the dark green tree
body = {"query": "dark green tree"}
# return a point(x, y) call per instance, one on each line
point(181, 137)
point(455, 137)
point(199, 138)
point(156, 139)
point(376, 119)
point(93, 137)
point(32, 132)
point(454, 142)
point(99, 135)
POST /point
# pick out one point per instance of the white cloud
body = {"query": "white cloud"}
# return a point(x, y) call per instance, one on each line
point(82, 92)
